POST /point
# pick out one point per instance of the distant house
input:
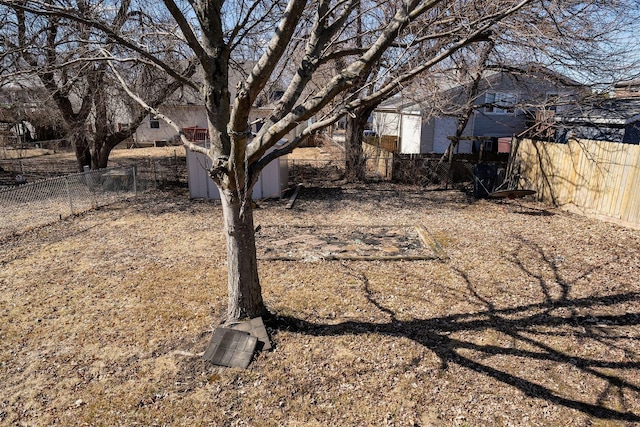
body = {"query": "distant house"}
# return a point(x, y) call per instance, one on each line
point(7, 126)
point(191, 116)
point(504, 104)
point(21, 100)
point(612, 120)
point(155, 132)
point(192, 119)
point(627, 89)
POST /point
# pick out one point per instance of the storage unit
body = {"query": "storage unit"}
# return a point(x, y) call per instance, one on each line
point(272, 182)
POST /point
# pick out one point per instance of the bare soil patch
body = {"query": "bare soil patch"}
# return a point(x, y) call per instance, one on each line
point(532, 319)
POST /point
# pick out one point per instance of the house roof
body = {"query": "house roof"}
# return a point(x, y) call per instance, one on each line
point(539, 71)
point(396, 103)
point(523, 79)
point(627, 83)
point(614, 111)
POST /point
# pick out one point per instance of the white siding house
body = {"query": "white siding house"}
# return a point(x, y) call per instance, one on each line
point(504, 106)
point(154, 131)
point(191, 117)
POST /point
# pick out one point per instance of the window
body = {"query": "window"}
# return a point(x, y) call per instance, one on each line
point(500, 103)
point(154, 122)
point(558, 101)
point(552, 99)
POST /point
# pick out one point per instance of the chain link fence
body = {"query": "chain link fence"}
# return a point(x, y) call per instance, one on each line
point(429, 170)
point(42, 202)
point(169, 169)
point(412, 170)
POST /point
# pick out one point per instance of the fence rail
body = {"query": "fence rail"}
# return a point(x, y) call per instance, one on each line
point(42, 202)
point(595, 178)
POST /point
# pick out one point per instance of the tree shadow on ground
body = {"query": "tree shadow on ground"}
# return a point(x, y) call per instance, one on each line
point(510, 207)
point(532, 328)
point(321, 193)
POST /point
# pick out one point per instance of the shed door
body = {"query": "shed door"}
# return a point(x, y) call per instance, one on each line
point(410, 134)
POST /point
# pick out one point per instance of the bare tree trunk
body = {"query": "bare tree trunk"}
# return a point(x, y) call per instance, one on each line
point(355, 168)
point(356, 163)
point(245, 294)
point(101, 156)
point(82, 149)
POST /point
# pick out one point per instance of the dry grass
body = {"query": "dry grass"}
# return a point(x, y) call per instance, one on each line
point(118, 153)
point(532, 319)
point(10, 153)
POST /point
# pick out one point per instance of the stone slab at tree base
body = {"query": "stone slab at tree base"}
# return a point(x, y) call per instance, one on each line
point(231, 348)
point(234, 346)
point(256, 328)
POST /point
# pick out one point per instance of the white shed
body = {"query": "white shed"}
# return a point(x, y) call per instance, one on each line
point(272, 182)
point(415, 134)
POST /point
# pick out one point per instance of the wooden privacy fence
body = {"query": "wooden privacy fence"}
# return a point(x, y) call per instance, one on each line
point(595, 178)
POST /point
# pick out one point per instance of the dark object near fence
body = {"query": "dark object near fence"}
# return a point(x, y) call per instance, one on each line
point(510, 194)
point(484, 179)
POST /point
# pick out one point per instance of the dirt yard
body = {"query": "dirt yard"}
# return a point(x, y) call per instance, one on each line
point(525, 316)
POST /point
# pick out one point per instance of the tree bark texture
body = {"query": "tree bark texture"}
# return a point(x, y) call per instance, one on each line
point(355, 167)
point(356, 162)
point(82, 149)
point(245, 293)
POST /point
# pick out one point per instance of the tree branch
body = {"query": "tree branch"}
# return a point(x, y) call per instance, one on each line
point(44, 9)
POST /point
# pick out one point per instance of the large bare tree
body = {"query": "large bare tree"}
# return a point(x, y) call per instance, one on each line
point(320, 28)
point(64, 58)
point(299, 39)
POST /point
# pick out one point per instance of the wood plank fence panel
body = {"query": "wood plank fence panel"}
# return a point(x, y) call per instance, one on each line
point(599, 179)
point(633, 193)
point(626, 159)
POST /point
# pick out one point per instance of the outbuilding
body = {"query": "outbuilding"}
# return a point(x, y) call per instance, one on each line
point(272, 182)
